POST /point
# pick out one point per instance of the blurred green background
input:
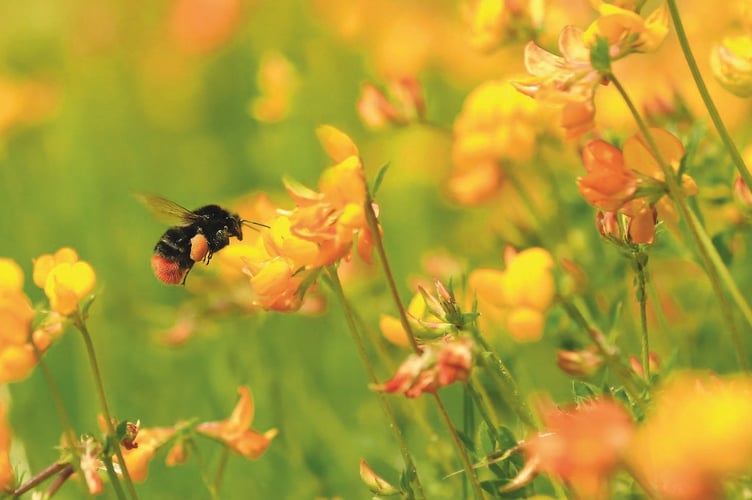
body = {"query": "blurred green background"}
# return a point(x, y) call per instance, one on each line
point(103, 99)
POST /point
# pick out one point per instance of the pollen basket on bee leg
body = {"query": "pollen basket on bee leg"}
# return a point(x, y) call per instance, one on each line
point(168, 271)
point(199, 247)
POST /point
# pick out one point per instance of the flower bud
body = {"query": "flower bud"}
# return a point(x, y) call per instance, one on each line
point(731, 63)
point(376, 483)
point(584, 363)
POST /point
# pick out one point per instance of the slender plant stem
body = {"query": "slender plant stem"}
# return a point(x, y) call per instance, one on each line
point(108, 465)
point(509, 389)
point(703, 89)
point(80, 324)
point(57, 399)
point(39, 478)
point(640, 260)
point(203, 470)
point(352, 325)
point(622, 373)
point(474, 390)
point(714, 266)
point(376, 232)
point(373, 225)
point(461, 448)
point(221, 468)
point(60, 480)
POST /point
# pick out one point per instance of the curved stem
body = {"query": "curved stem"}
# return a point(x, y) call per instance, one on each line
point(412, 471)
point(203, 470)
point(702, 88)
point(714, 266)
point(221, 468)
point(39, 478)
point(640, 260)
point(460, 447)
point(80, 324)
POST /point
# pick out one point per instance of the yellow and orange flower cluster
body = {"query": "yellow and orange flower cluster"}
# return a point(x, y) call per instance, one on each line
point(631, 182)
point(519, 296)
point(570, 80)
point(65, 279)
point(495, 22)
point(322, 229)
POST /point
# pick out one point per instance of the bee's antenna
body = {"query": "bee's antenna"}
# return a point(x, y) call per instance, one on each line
point(251, 223)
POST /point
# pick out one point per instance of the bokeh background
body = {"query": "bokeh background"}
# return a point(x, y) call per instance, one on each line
point(208, 101)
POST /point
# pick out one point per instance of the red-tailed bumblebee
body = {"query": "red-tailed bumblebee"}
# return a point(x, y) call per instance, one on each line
point(197, 235)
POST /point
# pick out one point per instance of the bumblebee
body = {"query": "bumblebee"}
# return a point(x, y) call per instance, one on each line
point(197, 235)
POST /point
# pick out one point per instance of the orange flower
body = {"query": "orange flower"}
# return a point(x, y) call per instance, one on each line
point(696, 435)
point(582, 446)
point(403, 104)
point(235, 432)
point(148, 441)
point(519, 296)
point(609, 184)
point(17, 357)
point(6, 471)
point(278, 83)
point(201, 26)
point(626, 31)
point(434, 368)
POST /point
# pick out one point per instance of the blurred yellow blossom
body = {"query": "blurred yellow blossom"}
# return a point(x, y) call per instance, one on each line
point(277, 82)
point(201, 26)
point(519, 296)
point(11, 275)
point(235, 431)
point(17, 356)
point(695, 435)
point(494, 22)
point(496, 126)
point(731, 62)
point(44, 264)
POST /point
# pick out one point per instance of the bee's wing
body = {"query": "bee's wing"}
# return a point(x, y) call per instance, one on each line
point(168, 211)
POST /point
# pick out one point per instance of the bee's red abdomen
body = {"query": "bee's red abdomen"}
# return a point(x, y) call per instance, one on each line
point(168, 271)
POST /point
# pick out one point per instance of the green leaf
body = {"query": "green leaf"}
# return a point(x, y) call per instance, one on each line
point(599, 55)
point(379, 178)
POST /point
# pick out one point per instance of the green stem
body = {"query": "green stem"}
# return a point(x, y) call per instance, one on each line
point(474, 390)
point(509, 389)
point(203, 470)
point(412, 471)
point(702, 88)
point(221, 468)
point(608, 352)
point(640, 260)
point(114, 479)
point(57, 399)
point(373, 225)
point(714, 266)
point(80, 324)
point(461, 448)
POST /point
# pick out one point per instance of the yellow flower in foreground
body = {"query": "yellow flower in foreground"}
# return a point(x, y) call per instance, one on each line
point(11, 275)
point(236, 433)
point(44, 264)
point(696, 435)
point(17, 356)
point(519, 296)
point(67, 284)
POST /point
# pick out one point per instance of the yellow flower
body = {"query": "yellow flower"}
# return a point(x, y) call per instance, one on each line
point(148, 441)
point(44, 264)
point(67, 284)
point(731, 62)
point(519, 296)
point(494, 22)
point(17, 357)
point(235, 431)
point(11, 275)
point(626, 31)
point(698, 428)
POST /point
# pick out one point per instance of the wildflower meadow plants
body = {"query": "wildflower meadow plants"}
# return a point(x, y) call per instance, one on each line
point(501, 251)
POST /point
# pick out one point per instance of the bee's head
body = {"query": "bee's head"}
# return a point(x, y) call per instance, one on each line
point(235, 226)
